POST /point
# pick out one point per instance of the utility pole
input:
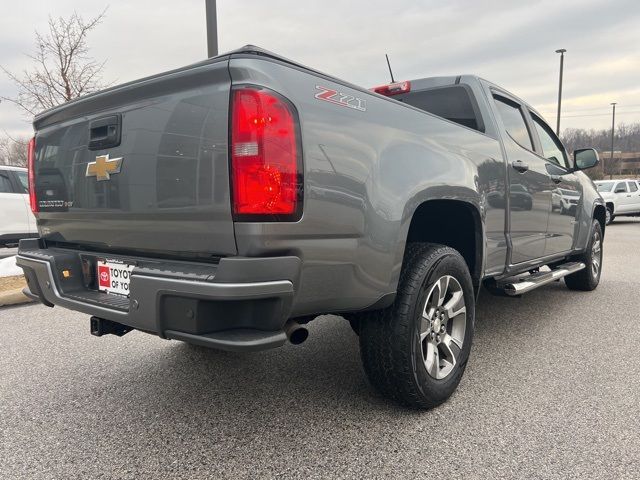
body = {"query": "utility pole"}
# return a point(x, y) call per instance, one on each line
point(613, 129)
point(212, 28)
point(561, 52)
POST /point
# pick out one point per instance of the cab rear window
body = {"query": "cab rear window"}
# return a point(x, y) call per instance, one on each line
point(454, 102)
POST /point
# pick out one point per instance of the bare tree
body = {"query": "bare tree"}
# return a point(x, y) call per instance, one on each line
point(626, 140)
point(62, 68)
point(13, 151)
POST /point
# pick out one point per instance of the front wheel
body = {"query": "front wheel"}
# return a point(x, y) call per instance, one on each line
point(588, 278)
point(609, 216)
point(416, 351)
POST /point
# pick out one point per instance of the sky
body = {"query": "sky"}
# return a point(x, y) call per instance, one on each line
point(511, 43)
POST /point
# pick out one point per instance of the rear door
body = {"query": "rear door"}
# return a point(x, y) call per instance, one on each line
point(529, 182)
point(14, 218)
point(565, 187)
point(22, 183)
point(635, 196)
point(624, 202)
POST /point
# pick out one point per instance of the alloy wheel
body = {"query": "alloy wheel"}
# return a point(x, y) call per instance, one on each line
point(596, 254)
point(442, 327)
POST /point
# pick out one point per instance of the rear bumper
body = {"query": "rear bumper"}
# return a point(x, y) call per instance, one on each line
point(237, 304)
point(14, 238)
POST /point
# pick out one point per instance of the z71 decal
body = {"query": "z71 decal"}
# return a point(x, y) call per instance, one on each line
point(333, 96)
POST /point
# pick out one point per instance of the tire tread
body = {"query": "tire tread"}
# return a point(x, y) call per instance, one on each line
point(385, 352)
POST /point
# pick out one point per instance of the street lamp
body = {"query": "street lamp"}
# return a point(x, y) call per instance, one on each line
point(613, 129)
point(212, 28)
point(561, 52)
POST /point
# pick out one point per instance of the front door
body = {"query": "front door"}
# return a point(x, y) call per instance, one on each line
point(634, 196)
point(566, 188)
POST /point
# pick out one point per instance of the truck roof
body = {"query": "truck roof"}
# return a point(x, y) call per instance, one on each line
point(45, 117)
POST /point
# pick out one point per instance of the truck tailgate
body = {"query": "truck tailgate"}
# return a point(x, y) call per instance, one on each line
point(140, 167)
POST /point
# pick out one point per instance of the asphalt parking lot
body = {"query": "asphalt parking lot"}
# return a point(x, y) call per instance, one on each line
point(552, 390)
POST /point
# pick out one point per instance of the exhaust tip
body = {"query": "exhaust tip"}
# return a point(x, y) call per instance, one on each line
point(298, 335)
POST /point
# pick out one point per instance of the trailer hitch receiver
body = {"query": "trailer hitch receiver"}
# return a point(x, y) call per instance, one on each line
point(102, 326)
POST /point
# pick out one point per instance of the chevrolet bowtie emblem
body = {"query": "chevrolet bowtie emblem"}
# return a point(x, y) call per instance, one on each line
point(103, 168)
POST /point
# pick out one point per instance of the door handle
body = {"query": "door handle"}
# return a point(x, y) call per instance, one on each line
point(520, 166)
point(556, 178)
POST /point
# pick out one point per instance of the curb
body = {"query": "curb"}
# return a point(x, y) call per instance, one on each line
point(13, 297)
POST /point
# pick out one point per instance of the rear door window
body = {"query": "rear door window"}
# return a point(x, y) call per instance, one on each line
point(633, 187)
point(24, 182)
point(514, 122)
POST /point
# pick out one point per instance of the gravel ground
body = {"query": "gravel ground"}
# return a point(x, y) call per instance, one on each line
point(552, 390)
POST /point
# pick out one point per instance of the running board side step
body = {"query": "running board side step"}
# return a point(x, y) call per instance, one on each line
point(515, 286)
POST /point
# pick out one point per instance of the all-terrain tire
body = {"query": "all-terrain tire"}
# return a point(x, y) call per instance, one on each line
point(588, 278)
point(610, 217)
point(392, 353)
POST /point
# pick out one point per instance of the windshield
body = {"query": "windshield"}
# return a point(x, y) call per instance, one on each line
point(605, 186)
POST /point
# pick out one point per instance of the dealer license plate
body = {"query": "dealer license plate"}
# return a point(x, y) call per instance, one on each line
point(113, 276)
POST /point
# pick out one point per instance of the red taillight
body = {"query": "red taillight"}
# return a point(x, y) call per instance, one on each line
point(264, 155)
point(393, 89)
point(31, 157)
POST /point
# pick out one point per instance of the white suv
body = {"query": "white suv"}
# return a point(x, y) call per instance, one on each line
point(16, 219)
point(622, 197)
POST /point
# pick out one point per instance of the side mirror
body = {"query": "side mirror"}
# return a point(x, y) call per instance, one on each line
point(585, 158)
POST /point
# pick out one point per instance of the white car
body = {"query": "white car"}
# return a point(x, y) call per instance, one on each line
point(16, 219)
point(622, 197)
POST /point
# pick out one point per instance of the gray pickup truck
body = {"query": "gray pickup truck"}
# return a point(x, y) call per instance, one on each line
point(228, 203)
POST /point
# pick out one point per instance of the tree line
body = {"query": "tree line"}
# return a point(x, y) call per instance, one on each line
point(626, 139)
point(62, 70)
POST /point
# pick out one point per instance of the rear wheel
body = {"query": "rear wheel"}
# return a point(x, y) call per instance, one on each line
point(588, 278)
point(416, 351)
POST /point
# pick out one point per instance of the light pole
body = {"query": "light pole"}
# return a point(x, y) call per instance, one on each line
point(613, 129)
point(212, 28)
point(561, 52)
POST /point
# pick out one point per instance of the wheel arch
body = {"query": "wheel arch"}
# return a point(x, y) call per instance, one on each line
point(458, 224)
point(600, 214)
point(611, 203)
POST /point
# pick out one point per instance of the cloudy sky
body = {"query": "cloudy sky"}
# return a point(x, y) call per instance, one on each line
point(508, 42)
